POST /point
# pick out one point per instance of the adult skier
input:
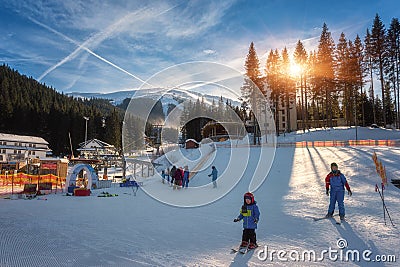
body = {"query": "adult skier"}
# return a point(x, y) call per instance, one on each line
point(337, 182)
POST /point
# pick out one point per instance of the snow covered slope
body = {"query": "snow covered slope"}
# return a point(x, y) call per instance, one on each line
point(130, 230)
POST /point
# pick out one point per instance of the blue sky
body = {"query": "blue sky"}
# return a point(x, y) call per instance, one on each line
point(107, 46)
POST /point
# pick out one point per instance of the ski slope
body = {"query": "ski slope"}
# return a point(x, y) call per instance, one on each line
point(130, 230)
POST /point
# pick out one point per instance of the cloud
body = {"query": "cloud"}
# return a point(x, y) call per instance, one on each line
point(209, 52)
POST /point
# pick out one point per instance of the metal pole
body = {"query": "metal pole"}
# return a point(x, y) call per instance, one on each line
point(355, 114)
point(86, 119)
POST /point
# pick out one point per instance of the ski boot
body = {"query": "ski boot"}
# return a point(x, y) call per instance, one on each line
point(252, 246)
point(244, 244)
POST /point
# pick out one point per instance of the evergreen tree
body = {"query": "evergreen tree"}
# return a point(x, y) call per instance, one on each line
point(325, 71)
point(393, 44)
point(251, 86)
point(379, 54)
point(300, 57)
point(370, 68)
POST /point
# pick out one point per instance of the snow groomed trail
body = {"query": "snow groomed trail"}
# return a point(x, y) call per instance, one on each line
point(140, 231)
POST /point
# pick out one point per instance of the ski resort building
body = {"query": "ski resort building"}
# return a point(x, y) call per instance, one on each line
point(95, 148)
point(17, 148)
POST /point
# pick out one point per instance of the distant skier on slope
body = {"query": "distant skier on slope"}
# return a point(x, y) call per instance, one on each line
point(214, 174)
point(250, 215)
point(336, 181)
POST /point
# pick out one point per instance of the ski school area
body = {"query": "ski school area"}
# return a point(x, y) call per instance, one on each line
point(159, 226)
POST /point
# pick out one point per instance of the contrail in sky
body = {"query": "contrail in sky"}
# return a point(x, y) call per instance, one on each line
point(75, 52)
point(83, 47)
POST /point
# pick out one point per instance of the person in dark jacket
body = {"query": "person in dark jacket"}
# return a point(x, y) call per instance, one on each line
point(172, 174)
point(250, 216)
point(178, 178)
point(337, 182)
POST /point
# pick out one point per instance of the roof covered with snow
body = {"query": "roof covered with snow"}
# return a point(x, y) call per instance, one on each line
point(94, 143)
point(22, 138)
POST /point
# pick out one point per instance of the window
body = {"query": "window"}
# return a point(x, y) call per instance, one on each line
point(16, 144)
point(4, 151)
point(19, 151)
point(15, 151)
point(33, 152)
point(283, 118)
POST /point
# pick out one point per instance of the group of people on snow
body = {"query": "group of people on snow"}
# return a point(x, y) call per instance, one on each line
point(180, 177)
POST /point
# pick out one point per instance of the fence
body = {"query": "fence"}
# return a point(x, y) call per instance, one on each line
point(15, 183)
point(336, 143)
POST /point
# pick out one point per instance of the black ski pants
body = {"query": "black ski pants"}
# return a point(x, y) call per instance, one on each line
point(249, 235)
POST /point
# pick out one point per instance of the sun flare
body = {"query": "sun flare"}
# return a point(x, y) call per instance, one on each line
point(294, 69)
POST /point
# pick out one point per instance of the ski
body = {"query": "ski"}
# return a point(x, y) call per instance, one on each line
point(339, 222)
point(242, 250)
point(323, 218)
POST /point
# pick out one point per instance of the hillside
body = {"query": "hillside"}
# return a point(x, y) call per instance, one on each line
point(31, 108)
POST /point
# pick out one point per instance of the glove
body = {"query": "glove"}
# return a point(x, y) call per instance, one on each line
point(255, 221)
point(236, 220)
point(327, 192)
point(350, 193)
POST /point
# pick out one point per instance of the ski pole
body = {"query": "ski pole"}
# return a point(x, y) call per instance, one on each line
point(384, 206)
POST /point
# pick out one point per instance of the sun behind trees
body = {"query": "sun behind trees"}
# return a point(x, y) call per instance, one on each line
point(333, 84)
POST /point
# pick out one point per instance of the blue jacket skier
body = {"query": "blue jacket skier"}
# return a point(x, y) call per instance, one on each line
point(337, 182)
point(250, 216)
point(214, 174)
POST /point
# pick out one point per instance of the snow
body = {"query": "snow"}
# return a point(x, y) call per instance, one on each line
point(22, 138)
point(130, 230)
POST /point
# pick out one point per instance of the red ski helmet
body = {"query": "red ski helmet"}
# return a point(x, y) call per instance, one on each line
point(250, 196)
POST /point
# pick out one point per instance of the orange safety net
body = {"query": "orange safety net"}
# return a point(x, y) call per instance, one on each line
point(15, 182)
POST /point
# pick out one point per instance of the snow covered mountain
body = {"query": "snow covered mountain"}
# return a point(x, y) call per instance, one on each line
point(173, 96)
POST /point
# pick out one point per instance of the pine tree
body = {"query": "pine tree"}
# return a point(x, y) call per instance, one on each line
point(251, 86)
point(370, 68)
point(393, 44)
point(379, 54)
point(325, 71)
point(344, 76)
point(359, 71)
point(300, 57)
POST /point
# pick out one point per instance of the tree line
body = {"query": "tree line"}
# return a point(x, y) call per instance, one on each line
point(337, 80)
point(31, 108)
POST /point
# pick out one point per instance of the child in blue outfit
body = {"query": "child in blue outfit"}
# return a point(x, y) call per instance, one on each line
point(250, 216)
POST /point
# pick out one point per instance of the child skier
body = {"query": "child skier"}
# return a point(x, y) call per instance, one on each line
point(336, 181)
point(250, 215)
